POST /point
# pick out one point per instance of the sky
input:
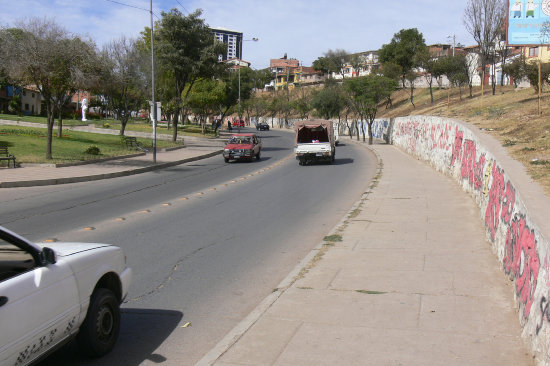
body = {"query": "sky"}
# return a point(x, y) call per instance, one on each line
point(302, 29)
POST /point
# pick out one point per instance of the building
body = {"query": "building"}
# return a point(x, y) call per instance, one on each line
point(363, 64)
point(233, 40)
point(235, 64)
point(30, 99)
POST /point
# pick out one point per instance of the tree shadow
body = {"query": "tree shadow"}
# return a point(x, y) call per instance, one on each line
point(142, 331)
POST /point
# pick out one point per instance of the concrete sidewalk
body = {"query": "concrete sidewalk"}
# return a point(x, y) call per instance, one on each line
point(412, 282)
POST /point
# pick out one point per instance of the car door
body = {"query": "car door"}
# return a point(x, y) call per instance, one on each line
point(39, 307)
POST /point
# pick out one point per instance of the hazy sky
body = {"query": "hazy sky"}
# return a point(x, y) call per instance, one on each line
point(303, 29)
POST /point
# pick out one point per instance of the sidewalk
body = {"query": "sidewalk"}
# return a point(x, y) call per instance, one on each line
point(413, 282)
point(196, 148)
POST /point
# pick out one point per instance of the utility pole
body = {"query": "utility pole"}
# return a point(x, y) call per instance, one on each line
point(153, 102)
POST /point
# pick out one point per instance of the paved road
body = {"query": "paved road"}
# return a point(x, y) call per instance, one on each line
point(207, 240)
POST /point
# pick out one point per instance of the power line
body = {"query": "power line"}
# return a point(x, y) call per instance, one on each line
point(132, 6)
point(182, 6)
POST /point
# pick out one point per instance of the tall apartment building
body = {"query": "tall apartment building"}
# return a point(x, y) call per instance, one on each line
point(232, 39)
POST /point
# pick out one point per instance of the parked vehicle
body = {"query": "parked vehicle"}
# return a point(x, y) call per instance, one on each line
point(262, 126)
point(242, 146)
point(314, 141)
point(52, 292)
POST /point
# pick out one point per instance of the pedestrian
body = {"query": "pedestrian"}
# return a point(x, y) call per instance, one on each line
point(229, 126)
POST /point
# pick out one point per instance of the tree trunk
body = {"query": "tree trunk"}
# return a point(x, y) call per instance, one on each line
point(431, 92)
point(371, 138)
point(60, 124)
point(49, 113)
point(123, 123)
point(175, 125)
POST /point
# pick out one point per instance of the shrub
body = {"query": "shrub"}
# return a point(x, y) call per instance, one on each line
point(92, 150)
point(106, 125)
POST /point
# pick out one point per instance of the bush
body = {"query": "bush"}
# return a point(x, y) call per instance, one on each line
point(92, 150)
point(106, 125)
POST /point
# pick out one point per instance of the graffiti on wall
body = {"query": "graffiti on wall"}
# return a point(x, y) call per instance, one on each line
point(379, 128)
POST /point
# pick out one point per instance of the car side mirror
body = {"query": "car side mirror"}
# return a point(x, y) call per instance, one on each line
point(49, 256)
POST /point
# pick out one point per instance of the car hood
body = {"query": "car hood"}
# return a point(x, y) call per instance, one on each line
point(65, 248)
point(238, 146)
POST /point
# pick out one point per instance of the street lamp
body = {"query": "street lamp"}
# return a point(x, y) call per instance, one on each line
point(454, 41)
point(240, 58)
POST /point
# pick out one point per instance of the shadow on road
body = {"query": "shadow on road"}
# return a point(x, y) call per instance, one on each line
point(142, 332)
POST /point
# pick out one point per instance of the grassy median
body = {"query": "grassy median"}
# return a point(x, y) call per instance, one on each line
point(28, 144)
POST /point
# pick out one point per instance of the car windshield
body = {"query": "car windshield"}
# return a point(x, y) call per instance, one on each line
point(239, 140)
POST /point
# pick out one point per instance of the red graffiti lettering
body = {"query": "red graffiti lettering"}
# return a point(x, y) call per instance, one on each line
point(468, 161)
point(495, 197)
point(521, 261)
point(457, 148)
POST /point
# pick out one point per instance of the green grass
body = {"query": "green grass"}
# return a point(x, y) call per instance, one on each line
point(134, 124)
point(28, 144)
point(41, 120)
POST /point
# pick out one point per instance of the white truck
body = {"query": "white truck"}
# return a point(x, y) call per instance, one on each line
point(314, 141)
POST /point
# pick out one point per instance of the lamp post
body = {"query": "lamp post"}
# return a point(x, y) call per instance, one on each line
point(153, 102)
point(239, 70)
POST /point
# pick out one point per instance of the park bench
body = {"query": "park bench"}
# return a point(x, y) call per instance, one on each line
point(132, 142)
point(5, 155)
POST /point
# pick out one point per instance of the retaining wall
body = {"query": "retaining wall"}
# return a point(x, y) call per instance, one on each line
point(516, 228)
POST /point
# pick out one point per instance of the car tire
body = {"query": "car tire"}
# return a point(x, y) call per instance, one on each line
point(226, 160)
point(258, 156)
point(99, 332)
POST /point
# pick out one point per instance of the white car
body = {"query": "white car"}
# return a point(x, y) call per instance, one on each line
point(51, 292)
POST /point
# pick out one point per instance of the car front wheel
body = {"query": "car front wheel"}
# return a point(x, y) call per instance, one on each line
point(99, 332)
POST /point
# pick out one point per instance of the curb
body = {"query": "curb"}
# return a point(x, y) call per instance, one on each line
point(54, 181)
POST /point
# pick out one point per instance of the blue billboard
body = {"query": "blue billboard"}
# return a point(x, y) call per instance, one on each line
point(525, 21)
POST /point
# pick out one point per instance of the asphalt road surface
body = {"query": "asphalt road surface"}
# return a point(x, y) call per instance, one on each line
point(207, 241)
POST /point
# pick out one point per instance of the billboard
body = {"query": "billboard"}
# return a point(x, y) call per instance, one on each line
point(525, 21)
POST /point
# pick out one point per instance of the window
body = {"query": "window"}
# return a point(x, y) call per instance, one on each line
point(26, 106)
point(533, 51)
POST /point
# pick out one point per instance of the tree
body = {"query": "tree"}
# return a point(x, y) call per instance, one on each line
point(332, 62)
point(532, 73)
point(329, 101)
point(484, 20)
point(405, 50)
point(392, 71)
point(365, 95)
point(302, 104)
point(456, 69)
point(124, 82)
point(515, 70)
point(43, 54)
point(431, 69)
point(205, 98)
point(186, 51)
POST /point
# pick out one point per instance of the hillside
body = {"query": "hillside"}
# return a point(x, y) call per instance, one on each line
point(510, 116)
